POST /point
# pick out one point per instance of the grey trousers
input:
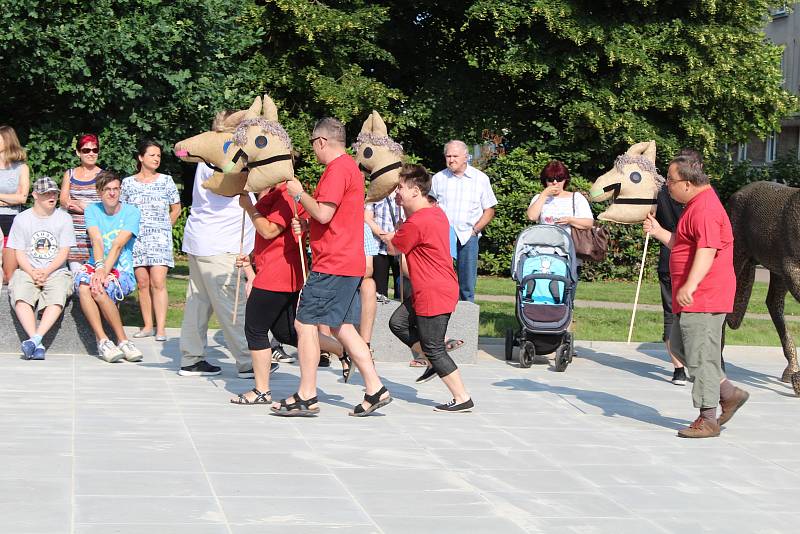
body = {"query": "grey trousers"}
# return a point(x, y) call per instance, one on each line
point(696, 340)
point(212, 288)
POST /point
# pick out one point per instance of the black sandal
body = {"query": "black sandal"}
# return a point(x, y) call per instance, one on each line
point(374, 401)
point(298, 408)
point(346, 371)
point(324, 359)
point(261, 398)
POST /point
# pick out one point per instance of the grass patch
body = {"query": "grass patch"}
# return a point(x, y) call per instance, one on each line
point(626, 291)
point(598, 324)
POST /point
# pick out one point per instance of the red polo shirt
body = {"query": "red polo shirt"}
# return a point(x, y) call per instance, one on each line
point(277, 260)
point(338, 246)
point(704, 224)
point(425, 240)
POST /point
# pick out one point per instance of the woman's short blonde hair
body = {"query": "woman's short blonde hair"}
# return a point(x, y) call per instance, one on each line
point(11, 147)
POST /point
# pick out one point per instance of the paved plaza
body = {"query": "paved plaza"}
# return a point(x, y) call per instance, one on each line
point(92, 448)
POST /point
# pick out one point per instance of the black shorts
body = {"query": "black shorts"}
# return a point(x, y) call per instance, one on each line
point(270, 311)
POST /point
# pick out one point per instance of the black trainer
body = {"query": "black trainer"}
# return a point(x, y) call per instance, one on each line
point(324, 359)
point(279, 355)
point(451, 406)
point(201, 368)
point(679, 377)
point(248, 373)
point(429, 374)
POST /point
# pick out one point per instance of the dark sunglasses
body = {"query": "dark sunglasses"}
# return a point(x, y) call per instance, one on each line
point(88, 150)
point(560, 179)
point(314, 139)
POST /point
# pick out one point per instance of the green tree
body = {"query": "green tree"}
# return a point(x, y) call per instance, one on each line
point(583, 79)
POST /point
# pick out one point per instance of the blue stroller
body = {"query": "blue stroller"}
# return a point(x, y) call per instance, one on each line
point(544, 267)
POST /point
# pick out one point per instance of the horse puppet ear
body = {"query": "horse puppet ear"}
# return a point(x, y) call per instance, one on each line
point(645, 148)
point(367, 126)
point(255, 110)
point(269, 110)
point(232, 121)
point(378, 126)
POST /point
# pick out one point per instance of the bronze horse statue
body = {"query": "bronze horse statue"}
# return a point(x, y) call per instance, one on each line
point(766, 230)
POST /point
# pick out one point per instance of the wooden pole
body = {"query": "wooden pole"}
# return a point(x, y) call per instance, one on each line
point(239, 270)
point(638, 287)
point(300, 246)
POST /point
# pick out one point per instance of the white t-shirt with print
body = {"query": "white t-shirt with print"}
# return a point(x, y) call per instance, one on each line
point(42, 237)
point(555, 208)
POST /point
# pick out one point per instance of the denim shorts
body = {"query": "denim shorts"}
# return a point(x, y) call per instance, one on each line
point(117, 289)
point(330, 299)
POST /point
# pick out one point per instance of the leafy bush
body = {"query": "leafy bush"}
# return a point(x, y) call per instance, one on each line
point(733, 176)
point(515, 179)
point(177, 230)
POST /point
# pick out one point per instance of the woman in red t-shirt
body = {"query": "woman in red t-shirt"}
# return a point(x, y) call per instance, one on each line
point(272, 301)
point(421, 320)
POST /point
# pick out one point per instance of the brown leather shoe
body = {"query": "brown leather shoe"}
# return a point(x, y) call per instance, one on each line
point(700, 428)
point(730, 406)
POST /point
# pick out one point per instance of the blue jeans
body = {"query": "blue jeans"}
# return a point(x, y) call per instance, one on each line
point(467, 268)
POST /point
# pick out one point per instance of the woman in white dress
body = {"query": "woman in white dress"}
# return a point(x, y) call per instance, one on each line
point(158, 200)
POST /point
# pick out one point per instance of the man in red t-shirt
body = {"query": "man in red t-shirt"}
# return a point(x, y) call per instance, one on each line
point(703, 289)
point(421, 320)
point(272, 301)
point(330, 296)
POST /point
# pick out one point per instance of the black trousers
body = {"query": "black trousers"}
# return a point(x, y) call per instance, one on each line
point(270, 311)
point(381, 265)
point(429, 331)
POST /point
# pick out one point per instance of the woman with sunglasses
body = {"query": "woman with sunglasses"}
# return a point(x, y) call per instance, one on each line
point(77, 192)
point(14, 186)
point(556, 205)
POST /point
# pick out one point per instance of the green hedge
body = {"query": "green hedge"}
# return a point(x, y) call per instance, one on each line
point(515, 179)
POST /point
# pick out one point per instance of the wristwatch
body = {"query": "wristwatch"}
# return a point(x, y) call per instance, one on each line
point(297, 196)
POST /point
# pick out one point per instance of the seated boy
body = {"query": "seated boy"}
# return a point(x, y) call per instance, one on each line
point(41, 237)
point(112, 227)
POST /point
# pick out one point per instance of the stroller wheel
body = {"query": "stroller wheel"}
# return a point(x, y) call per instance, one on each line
point(509, 344)
point(526, 355)
point(562, 358)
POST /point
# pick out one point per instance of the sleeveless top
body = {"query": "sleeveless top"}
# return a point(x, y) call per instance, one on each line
point(85, 192)
point(9, 182)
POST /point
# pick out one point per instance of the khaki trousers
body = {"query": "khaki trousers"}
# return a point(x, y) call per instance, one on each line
point(696, 340)
point(212, 288)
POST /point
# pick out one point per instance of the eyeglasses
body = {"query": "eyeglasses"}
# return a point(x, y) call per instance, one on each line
point(90, 150)
point(559, 179)
point(670, 181)
point(313, 139)
point(111, 190)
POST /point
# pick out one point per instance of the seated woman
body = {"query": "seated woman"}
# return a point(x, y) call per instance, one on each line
point(556, 205)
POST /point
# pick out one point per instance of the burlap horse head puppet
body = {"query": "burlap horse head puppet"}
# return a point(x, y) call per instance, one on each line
point(378, 157)
point(264, 145)
point(632, 185)
point(211, 148)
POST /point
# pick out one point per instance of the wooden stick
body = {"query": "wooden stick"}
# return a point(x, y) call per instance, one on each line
point(300, 246)
point(402, 298)
point(239, 270)
point(638, 286)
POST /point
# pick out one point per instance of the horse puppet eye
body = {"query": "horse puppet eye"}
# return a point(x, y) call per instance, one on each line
point(635, 177)
point(368, 152)
point(261, 141)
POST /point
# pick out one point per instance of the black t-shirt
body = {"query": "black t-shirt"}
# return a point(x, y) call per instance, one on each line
point(667, 214)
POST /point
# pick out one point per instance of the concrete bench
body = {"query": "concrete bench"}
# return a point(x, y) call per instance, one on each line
point(463, 325)
point(70, 335)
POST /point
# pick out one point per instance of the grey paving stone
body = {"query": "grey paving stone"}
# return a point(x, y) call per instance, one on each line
point(142, 484)
point(146, 510)
point(138, 448)
point(33, 504)
point(279, 511)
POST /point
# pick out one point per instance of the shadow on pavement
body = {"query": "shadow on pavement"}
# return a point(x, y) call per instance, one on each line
point(612, 405)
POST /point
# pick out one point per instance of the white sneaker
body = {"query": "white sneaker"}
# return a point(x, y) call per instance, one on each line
point(108, 351)
point(132, 354)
